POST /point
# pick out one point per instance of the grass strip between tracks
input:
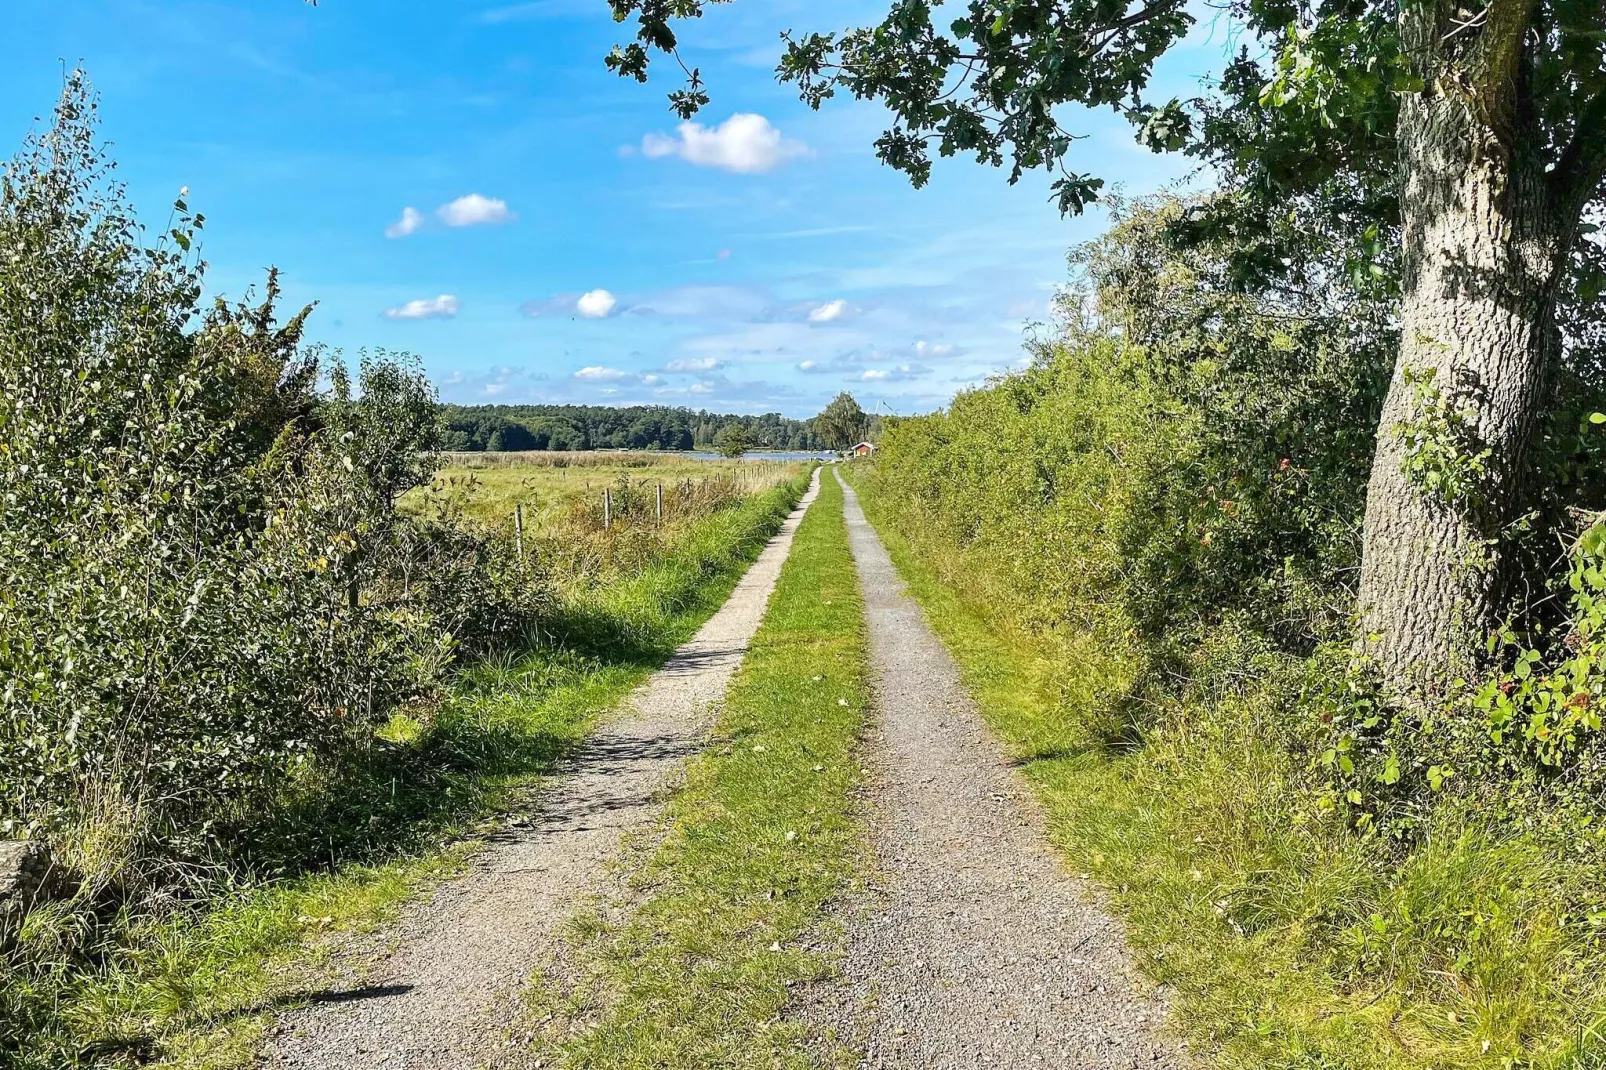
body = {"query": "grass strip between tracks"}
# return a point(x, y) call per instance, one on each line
point(761, 838)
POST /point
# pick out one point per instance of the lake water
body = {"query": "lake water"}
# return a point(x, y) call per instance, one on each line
point(758, 455)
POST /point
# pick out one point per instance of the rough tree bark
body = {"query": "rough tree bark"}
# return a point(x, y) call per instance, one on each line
point(1486, 235)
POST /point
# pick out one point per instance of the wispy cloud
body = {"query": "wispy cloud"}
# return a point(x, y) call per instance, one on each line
point(694, 365)
point(898, 374)
point(831, 310)
point(411, 219)
point(745, 144)
point(598, 373)
point(443, 307)
point(817, 232)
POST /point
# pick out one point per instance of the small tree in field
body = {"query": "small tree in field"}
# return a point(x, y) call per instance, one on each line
point(733, 441)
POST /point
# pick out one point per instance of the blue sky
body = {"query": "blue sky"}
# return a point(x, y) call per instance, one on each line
point(462, 179)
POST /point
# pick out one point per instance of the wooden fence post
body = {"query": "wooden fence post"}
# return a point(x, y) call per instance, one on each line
point(518, 528)
point(660, 505)
point(607, 508)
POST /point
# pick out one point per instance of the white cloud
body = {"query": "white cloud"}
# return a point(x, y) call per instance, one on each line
point(934, 349)
point(831, 310)
point(443, 307)
point(411, 219)
point(695, 364)
point(595, 304)
point(745, 143)
point(809, 366)
point(474, 210)
point(596, 373)
point(893, 375)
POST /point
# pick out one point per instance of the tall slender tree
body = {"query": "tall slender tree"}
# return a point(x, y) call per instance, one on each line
point(841, 423)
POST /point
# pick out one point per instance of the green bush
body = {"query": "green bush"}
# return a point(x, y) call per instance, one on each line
point(205, 587)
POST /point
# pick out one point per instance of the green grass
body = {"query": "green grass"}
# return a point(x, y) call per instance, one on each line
point(1287, 941)
point(760, 839)
point(488, 491)
point(195, 988)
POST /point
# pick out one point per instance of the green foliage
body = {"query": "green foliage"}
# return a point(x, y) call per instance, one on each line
point(1443, 455)
point(842, 423)
point(1218, 469)
point(199, 555)
point(208, 601)
point(732, 441)
point(1546, 703)
point(596, 427)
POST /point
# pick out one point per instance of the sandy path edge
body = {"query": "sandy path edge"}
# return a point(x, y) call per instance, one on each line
point(446, 994)
point(974, 947)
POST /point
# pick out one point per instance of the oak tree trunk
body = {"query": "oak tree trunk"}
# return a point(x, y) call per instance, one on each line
point(1483, 250)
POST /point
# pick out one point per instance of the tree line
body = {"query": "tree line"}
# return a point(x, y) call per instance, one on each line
point(646, 427)
point(600, 427)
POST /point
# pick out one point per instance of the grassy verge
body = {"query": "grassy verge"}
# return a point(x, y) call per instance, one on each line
point(196, 988)
point(760, 838)
point(1284, 940)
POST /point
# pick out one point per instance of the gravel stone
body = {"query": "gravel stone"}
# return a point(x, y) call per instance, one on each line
point(446, 994)
point(974, 946)
point(24, 868)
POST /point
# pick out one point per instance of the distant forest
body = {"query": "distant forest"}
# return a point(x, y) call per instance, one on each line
point(594, 427)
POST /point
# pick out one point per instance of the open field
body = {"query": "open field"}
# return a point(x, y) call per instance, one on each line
point(487, 487)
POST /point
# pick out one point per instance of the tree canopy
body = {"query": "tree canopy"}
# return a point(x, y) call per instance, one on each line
point(732, 441)
point(841, 423)
point(640, 427)
point(1317, 99)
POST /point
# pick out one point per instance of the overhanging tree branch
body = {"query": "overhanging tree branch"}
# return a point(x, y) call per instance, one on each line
point(1582, 164)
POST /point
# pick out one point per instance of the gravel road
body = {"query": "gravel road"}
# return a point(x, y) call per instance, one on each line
point(975, 947)
point(445, 992)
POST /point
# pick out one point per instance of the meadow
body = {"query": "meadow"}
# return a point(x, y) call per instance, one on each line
point(548, 487)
